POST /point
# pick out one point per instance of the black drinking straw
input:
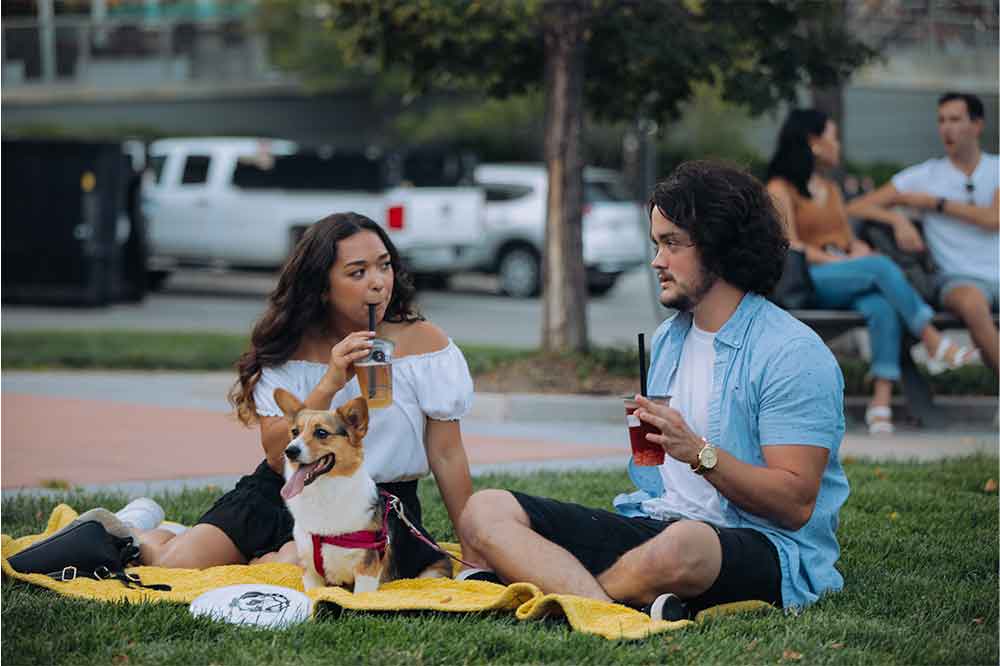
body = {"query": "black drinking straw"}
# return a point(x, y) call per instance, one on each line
point(642, 364)
point(371, 369)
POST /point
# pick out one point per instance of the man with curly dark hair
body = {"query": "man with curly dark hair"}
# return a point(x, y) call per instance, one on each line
point(745, 505)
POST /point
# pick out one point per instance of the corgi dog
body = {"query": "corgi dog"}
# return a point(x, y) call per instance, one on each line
point(343, 531)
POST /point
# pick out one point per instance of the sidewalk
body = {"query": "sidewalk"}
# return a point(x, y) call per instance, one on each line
point(143, 432)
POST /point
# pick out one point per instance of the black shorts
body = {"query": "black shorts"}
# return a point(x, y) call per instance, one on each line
point(254, 516)
point(750, 565)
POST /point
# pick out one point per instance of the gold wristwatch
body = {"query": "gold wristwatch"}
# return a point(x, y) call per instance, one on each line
point(707, 458)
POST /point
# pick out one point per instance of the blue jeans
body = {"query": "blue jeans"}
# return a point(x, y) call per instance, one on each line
point(876, 287)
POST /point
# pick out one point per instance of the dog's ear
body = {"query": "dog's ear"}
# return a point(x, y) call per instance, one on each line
point(288, 403)
point(355, 415)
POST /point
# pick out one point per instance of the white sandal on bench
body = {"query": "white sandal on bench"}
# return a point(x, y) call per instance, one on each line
point(961, 356)
point(879, 420)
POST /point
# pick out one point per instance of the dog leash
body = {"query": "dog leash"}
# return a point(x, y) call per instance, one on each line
point(394, 503)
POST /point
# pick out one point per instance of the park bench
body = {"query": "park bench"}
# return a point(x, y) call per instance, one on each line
point(828, 324)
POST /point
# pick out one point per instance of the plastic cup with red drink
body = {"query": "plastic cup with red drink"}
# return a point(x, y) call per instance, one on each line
point(644, 452)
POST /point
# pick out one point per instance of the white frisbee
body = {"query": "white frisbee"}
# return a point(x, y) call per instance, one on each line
point(268, 606)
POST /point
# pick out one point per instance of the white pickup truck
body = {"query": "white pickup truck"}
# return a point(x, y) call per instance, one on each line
point(243, 203)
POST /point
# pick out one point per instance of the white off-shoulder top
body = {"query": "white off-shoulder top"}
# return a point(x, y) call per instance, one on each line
point(436, 385)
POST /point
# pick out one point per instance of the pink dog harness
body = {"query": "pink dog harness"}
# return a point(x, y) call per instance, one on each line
point(372, 539)
point(365, 539)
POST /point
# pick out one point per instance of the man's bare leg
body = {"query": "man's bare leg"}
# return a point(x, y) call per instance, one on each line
point(684, 559)
point(970, 305)
point(497, 528)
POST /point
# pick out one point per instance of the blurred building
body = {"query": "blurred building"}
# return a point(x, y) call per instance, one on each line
point(159, 67)
point(202, 67)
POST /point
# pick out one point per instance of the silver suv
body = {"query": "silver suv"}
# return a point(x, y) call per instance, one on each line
point(614, 229)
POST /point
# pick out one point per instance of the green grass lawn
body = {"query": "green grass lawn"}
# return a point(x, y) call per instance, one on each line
point(920, 560)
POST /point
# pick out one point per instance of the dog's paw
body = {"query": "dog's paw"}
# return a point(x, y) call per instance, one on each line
point(310, 580)
point(365, 584)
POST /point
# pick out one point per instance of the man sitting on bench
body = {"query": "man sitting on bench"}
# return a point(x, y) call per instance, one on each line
point(960, 197)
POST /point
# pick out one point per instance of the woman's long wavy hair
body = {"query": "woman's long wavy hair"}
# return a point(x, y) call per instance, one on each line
point(297, 306)
point(793, 158)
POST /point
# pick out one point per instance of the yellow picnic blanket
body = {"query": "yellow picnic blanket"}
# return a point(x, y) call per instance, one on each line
point(612, 621)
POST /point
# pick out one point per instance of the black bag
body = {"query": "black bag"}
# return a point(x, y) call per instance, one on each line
point(85, 549)
point(919, 268)
point(794, 290)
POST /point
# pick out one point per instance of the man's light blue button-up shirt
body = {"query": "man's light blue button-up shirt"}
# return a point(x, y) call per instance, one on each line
point(775, 382)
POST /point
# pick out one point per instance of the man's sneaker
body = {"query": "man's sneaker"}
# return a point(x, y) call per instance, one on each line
point(479, 574)
point(667, 607)
point(141, 514)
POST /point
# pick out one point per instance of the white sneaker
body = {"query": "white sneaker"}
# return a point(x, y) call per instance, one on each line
point(479, 574)
point(142, 514)
point(171, 526)
point(667, 607)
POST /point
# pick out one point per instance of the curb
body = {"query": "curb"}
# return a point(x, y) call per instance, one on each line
point(207, 390)
point(964, 411)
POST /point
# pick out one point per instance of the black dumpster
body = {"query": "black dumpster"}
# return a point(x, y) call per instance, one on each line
point(72, 232)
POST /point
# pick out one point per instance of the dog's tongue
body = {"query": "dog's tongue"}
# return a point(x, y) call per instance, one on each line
point(295, 484)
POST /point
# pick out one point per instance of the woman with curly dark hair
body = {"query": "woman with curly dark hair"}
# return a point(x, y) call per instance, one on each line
point(844, 270)
point(314, 330)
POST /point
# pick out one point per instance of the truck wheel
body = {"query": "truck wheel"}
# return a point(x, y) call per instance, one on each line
point(431, 281)
point(155, 280)
point(520, 272)
point(602, 285)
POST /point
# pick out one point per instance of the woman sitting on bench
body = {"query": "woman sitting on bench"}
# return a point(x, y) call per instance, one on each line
point(846, 274)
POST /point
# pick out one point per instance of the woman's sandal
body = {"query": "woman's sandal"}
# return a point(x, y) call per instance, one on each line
point(879, 420)
point(950, 356)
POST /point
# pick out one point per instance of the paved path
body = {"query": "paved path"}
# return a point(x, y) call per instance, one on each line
point(141, 431)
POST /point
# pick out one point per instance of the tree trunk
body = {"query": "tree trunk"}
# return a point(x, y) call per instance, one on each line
point(564, 289)
point(831, 100)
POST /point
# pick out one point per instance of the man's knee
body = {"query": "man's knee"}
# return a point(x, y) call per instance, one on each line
point(967, 302)
point(686, 557)
point(484, 511)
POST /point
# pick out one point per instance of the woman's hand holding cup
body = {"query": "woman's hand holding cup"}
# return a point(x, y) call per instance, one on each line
point(354, 347)
point(674, 435)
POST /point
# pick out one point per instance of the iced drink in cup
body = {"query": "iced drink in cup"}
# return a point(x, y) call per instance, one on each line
point(375, 374)
point(644, 452)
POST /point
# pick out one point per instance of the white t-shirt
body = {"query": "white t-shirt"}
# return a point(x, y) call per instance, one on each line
point(687, 495)
point(435, 385)
point(957, 246)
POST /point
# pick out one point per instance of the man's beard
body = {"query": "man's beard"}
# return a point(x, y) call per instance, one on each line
point(686, 301)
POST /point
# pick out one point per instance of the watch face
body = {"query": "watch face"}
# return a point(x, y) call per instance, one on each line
point(707, 457)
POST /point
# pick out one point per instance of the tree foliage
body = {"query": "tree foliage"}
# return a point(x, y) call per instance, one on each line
point(616, 59)
point(641, 56)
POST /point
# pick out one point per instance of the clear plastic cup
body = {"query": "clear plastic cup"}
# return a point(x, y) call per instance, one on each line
point(644, 452)
point(375, 374)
